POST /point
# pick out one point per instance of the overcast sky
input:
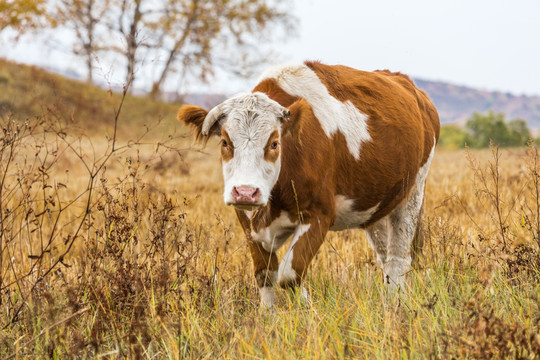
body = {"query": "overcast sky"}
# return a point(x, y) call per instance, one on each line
point(487, 44)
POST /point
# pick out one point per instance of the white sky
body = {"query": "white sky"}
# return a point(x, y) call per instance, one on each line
point(487, 44)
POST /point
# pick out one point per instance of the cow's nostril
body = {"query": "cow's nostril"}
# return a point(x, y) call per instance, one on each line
point(246, 194)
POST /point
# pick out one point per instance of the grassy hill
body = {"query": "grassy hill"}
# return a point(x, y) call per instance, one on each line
point(28, 91)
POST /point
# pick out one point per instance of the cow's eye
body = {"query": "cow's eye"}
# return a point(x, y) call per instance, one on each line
point(274, 145)
point(224, 143)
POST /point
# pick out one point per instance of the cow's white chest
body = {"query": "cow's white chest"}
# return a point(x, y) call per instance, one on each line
point(347, 218)
point(273, 236)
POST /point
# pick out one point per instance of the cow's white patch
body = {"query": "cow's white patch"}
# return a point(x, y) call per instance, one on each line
point(347, 218)
point(249, 120)
point(268, 296)
point(334, 115)
point(285, 272)
point(273, 236)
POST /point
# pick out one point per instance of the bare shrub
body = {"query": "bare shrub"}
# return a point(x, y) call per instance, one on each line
point(505, 245)
point(526, 256)
point(511, 238)
point(78, 245)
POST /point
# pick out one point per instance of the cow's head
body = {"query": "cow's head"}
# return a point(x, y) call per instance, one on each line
point(250, 129)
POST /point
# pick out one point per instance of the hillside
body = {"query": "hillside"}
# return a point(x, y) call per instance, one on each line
point(456, 103)
point(28, 91)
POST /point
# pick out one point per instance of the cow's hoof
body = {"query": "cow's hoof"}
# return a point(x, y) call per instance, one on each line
point(268, 297)
point(394, 274)
point(305, 297)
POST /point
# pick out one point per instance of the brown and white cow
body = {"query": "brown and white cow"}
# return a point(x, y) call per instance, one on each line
point(315, 148)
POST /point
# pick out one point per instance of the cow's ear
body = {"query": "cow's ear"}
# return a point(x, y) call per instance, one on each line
point(194, 116)
point(285, 115)
point(296, 113)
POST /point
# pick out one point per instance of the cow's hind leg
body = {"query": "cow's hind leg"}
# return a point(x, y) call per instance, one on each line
point(405, 221)
point(378, 235)
point(391, 238)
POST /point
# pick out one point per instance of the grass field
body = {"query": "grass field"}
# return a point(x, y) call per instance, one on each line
point(124, 249)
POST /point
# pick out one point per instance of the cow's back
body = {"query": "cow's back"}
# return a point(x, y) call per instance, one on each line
point(402, 123)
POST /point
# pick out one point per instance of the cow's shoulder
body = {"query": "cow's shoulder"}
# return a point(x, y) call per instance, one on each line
point(270, 87)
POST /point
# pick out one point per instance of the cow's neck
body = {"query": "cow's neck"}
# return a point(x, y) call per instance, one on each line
point(284, 198)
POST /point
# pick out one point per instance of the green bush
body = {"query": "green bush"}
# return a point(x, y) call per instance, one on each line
point(519, 132)
point(482, 129)
point(452, 137)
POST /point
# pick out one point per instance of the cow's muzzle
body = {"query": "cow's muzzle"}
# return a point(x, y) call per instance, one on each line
point(246, 197)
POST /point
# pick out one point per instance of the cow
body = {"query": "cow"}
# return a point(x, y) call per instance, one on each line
point(316, 148)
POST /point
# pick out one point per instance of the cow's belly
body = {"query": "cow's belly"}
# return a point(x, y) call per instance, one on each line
point(347, 218)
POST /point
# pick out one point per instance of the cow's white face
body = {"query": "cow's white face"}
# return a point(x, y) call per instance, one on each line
point(250, 148)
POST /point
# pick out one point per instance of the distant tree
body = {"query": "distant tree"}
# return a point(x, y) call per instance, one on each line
point(483, 128)
point(188, 35)
point(519, 132)
point(23, 15)
point(193, 33)
point(452, 137)
point(83, 17)
point(129, 23)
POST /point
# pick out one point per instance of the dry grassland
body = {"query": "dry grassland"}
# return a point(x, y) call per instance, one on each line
point(127, 251)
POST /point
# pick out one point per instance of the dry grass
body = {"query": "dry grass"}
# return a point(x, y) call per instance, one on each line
point(127, 250)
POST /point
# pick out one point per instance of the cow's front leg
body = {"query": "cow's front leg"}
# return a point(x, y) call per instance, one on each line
point(266, 265)
point(306, 241)
point(265, 262)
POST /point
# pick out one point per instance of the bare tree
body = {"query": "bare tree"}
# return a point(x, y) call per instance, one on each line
point(129, 23)
point(180, 22)
point(191, 34)
point(84, 17)
point(187, 35)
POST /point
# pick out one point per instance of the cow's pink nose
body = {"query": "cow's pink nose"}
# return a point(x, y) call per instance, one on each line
point(246, 194)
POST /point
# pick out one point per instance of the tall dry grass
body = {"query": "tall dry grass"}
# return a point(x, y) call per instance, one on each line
point(117, 248)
